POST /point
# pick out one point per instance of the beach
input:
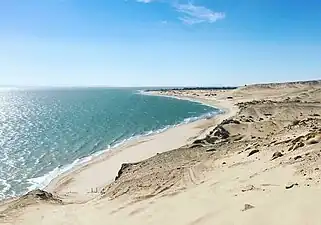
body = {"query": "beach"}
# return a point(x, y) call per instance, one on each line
point(79, 184)
point(62, 129)
point(259, 159)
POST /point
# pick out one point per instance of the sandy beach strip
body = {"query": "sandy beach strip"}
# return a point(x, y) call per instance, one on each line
point(84, 182)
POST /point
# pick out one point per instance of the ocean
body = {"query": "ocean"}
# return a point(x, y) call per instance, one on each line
point(45, 132)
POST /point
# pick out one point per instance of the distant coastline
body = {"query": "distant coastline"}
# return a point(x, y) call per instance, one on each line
point(191, 88)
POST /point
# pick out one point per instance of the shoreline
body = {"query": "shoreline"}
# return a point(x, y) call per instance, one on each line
point(72, 185)
point(84, 162)
point(65, 169)
point(79, 162)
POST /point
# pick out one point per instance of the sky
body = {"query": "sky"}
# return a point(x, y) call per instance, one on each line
point(158, 42)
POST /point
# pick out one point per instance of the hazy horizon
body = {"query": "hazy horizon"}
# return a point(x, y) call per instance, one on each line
point(106, 86)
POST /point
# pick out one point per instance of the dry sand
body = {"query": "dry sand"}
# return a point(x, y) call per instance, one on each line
point(260, 166)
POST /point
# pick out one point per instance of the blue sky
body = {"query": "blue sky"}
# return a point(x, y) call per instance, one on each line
point(158, 42)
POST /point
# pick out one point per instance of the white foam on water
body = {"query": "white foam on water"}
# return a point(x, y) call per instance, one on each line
point(6, 187)
point(43, 181)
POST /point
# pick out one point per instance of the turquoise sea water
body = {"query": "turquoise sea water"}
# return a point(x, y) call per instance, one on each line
point(46, 132)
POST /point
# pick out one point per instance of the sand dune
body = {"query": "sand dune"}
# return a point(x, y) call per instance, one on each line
point(257, 164)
